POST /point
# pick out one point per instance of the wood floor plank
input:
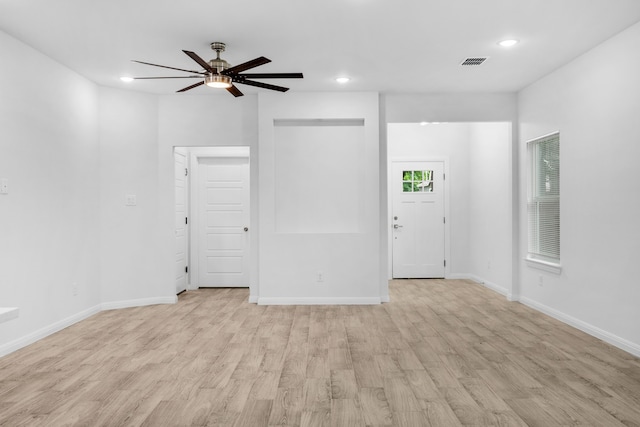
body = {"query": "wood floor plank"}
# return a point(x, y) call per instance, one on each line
point(343, 384)
point(254, 414)
point(346, 413)
point(265, 386)
point(317, 394)
point(439, 413)
point(375, 408)
point(422, 385)
point(367, 372)
point(287, 407)
point(441, 353)
point(316, 418)
point(400, 395)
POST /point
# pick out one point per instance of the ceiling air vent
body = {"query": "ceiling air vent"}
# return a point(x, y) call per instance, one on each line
point(474, 61)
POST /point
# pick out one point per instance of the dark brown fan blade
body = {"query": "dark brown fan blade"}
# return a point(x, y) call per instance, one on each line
point(263, 85)
point(171, 77)
point(171, 68)
point(191, 87)
point(272, 75)
point(234, 91)
point(200, 61)
point(246, 65)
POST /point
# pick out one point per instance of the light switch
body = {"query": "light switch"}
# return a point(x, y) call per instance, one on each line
point(4, 186)
point(130, 200)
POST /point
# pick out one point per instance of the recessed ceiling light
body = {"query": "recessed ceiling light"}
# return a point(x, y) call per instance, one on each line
point(126, 79)
point(508, 43)
point(342, 80)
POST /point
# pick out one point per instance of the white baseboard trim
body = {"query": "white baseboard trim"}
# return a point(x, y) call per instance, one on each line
point(31, 338)
point(320, 301)
point(19, 343)
point(385, 298)
point(138, 302)
point(487, 284)
point(605, 336)
point(253, 299)
point(459, 276)
point(8, 313)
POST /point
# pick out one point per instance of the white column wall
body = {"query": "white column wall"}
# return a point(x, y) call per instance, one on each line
point(290, 261)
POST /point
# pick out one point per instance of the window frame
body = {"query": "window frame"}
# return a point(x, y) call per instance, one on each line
point(535, 255)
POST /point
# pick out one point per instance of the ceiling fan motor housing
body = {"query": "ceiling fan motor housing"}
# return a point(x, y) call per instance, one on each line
point(219, 64)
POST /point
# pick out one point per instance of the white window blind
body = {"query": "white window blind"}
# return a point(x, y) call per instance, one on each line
point(544, 198)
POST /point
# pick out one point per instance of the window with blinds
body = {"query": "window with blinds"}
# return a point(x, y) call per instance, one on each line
point(544, 198)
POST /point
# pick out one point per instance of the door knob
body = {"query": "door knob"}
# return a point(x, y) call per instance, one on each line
point(246, 229)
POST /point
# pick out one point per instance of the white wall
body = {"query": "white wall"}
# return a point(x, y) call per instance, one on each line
point(343, 251)
point(129, 244)
point(594, 102)
point(490, 206)
point(49, 219)
point(450, 107)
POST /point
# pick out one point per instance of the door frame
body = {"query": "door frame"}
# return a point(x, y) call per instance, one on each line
point(390, 193)
point(194, 155)
point(183, 151)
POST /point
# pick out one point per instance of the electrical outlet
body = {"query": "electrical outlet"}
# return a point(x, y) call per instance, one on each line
point(320, 276)
point(488, 265)
point(540, 280)
point(74, 288)
point(130, 200)
point(4, 186)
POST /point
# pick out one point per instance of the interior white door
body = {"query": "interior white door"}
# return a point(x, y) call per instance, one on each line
point(223, 221)
point(180, 168)
point(418, 220)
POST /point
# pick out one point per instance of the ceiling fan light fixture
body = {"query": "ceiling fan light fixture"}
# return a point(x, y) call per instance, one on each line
point(219, 81)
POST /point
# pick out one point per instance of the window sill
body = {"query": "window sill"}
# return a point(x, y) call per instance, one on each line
point(551, 267)
point(8, 313)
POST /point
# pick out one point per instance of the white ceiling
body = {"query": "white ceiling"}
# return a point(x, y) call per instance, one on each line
point(391, 46)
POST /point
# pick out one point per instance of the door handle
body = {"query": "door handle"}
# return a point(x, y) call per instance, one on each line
point(246, 229)
point(396, 226)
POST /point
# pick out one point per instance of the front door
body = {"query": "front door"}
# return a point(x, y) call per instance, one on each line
point(418, 220)
point(223, 221)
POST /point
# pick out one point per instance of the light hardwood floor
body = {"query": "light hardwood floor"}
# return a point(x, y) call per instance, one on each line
point(442, 353)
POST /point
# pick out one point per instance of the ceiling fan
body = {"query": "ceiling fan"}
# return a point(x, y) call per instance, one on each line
point(218, 73)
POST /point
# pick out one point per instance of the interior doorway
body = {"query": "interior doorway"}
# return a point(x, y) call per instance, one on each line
point(212, 205)
point(479, 206)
